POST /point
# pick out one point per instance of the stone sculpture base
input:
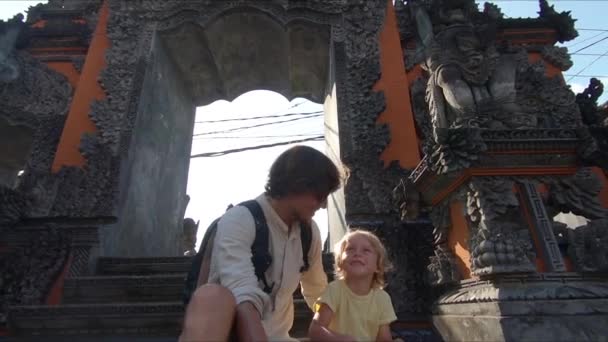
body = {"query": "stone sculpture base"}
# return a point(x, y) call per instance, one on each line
point(568, 308)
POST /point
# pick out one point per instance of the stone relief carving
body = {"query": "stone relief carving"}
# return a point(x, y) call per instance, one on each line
point(12, 207)
point(499, 241)
point(442, 267)
point(27, 273)
point(588, 247)
point(561, 21)
point(587, 102)
point(558, 56)
point(577, 194)
point(37, 97)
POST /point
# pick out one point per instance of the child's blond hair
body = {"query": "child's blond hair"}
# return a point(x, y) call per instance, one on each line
point(383, 265)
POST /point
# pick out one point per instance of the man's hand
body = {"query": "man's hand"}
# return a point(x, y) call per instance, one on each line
point(249, 324)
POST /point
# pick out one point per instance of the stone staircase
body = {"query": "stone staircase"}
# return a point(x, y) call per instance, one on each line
point(127, 299)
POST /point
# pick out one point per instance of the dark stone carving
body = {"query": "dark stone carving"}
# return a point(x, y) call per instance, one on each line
point(442, 268)
point(558, 56)
point(27, 273)
point(456, 149)
point(12, 207)
point(527, 287)
point(546, 101)
point(189, 236)
point(500, 242)
point(562, 22)
point(588, 246)
point(38, 98)
point(577, 194)
point(587, 102)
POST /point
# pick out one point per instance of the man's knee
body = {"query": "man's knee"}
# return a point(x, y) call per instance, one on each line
point(214, 294)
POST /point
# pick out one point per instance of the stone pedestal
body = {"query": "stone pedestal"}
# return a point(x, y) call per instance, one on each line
point(504, 268)
point(564, 307)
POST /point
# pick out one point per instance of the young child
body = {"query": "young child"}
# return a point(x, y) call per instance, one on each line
point(354, 307)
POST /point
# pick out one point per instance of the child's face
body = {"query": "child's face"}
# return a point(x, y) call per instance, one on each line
point(359, 257)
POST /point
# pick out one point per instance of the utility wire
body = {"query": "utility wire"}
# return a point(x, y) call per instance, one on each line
point(286, 109)
point(586, 40)
point(586, 76)
point(249, 148)
point(587, 66)
point(587, 54)
point(260, 117)
point(590, 45)
point(254, 126)
point(259, 136)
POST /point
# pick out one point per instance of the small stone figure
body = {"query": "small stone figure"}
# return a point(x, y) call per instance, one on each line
point(189, 236)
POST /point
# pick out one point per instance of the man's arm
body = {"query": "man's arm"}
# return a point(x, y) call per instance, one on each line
point(319, 330)
point(314, 281)
point(232, 258)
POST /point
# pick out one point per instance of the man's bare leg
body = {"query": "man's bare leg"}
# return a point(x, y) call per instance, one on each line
point(209, 315)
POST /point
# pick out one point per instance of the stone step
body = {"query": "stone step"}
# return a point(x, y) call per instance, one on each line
point(39, 323)
point(143, 266)
point(124, 289)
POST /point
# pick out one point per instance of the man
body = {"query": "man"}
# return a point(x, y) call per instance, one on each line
point(233, 303)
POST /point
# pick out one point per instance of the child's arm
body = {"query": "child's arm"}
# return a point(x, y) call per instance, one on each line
point(384, 334)
point(319, 330)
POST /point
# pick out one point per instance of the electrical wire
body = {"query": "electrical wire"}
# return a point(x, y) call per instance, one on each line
point(259, 117)
point(587, 66)
point(259, 136)
point(254, 126)
point(257, 147)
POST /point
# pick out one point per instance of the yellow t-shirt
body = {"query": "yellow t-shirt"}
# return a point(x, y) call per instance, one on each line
point(354, 315)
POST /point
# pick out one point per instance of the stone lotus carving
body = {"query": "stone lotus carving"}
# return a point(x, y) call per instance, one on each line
point(499, 241)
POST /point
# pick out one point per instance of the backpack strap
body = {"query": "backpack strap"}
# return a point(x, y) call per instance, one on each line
point(306, 238)
point(260, 254)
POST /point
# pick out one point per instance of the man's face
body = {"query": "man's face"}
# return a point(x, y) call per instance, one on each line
point(304, 206)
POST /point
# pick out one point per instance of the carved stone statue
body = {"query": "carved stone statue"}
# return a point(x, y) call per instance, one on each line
point(190, 228)
point(470, 83)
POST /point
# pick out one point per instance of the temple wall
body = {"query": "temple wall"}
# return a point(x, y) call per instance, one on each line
point(89, 90)
point(335, 203)
point(398, 115)
point(156, 170)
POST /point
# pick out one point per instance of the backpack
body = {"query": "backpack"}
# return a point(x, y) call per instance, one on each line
point(260, 258)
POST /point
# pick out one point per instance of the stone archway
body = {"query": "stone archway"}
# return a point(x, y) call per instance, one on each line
point(191, 64)
point(346, 85)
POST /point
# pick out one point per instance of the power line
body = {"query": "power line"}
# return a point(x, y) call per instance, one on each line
point(257, 147)
point(259, 136)
point(587, 66)
point(254, 126)
point(586, 40)
point(587, 54)
point(260, 117)
point(590, 45)
point(288, 108)
point(585, 76)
